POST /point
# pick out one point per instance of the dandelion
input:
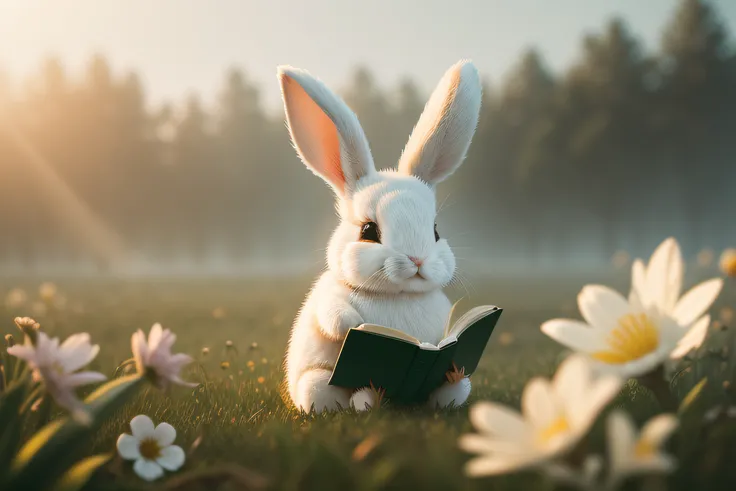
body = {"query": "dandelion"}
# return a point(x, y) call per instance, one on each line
point(728, 262)
point(151, 448)
point(56, 367)
point(261, 380)
point(153, 357)
point(225, 365)
point(264, 361)
point(15, 298)
point(47, 291)
point(635, 337)
point(505, 338)
point(251, 364)
point(632, 454)
point(555, 415)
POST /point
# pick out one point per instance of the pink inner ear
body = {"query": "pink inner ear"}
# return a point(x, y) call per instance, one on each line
point(314, 134)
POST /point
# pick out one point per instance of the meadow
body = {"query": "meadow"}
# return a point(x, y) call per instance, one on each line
point(239, 433)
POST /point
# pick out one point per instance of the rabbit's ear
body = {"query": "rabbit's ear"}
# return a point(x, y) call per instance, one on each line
point(325, 132)
point(441, 138)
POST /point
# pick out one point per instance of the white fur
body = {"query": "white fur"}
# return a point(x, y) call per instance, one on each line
point(375, 282)
point(450, 394)
point(363, 399)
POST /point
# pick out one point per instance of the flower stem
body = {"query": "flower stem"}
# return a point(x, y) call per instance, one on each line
point(657, 384)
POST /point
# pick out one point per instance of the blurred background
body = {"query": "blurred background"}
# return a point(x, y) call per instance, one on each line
point(147, 137)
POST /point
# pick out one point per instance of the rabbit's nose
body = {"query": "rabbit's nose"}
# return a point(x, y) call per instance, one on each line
point(417, 261)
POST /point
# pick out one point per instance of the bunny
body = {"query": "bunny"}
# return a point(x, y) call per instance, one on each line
point(386, 262)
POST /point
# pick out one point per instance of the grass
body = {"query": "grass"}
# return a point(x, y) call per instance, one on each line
point(237, 416)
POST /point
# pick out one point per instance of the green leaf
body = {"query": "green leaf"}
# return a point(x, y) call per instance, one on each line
point(38, 440)
point(57, 447)
point(76, 477)
point(10, 425)
point(692, 395)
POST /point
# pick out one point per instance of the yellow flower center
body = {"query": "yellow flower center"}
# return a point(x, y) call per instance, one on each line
point(557, 427)
point(149, 449)
point(634, 336)
point(644, 448)
point(58, 368)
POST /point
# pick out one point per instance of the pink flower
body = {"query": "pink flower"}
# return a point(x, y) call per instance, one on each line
point(153, 357)
point(55, 366)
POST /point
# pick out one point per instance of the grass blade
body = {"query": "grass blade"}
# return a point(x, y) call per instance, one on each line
point(76, 477)
point(55, 448)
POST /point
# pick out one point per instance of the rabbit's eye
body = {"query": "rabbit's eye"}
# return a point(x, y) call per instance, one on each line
point(436, 233)
point(370, 232)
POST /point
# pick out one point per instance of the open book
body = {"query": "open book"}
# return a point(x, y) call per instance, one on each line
point(407, 369)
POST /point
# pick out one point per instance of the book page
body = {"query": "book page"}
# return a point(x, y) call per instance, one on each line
point(390, 333)
point(469, 318)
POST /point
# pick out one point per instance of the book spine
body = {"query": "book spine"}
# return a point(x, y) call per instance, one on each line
point(420, 367)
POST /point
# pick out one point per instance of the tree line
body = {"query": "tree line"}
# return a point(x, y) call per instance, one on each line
point(623, 148)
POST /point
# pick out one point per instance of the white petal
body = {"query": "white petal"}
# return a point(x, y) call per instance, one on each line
point(26, 353)
point(483, 444)
point(498, 420)
point(78, 357)
point(659, 428)
point(83, 378)
point(147, 469)
point(664, 275)
point(658, 463)
point(172, 458)
point(639, 282)
point(640, 366)
point(601, 306)
point(696, 301)
point(142, 427)
point(154, 337)
point(493, 466)
point(576, 335)
point(128, 447)
point(538, 403)
point(571, 383)
point(140, 349)
point(693, 339)
point(600, 393)
point(621, 439)
point(165, 434)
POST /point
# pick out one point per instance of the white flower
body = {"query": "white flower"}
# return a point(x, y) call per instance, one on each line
point(634, 337)
point(155, 356)
point(630, 453)
point(151, 448)
point(56, 366)
point(15, 298)
point(555, 416)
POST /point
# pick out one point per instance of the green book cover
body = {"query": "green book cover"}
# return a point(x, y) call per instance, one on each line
point(405, 368)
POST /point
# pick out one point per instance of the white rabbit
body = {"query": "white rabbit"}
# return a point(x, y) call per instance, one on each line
point(387, 264)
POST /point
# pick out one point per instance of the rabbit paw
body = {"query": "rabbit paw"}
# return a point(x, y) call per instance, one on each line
point(364, 399)
point(450, 394)
point(337, 320)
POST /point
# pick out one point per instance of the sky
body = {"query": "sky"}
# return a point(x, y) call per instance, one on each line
point(183, 46)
